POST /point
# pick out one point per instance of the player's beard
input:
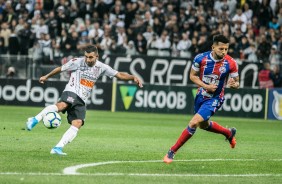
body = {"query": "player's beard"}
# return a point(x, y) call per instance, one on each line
point(218, 57)
point(90, 64)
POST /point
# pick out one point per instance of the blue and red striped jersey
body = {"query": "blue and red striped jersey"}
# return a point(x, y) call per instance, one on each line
point(214, 72)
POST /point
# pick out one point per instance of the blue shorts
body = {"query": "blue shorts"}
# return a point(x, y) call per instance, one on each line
point(206, 107)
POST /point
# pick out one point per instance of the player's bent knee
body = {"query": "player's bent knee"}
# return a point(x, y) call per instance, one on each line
point(193, 124)
point(77, 123)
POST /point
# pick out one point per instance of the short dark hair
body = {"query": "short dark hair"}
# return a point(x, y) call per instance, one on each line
point(91, 48)
point(220, 38)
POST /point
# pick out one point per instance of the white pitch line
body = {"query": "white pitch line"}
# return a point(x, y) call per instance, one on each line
point(73, 169)
point(143, 175)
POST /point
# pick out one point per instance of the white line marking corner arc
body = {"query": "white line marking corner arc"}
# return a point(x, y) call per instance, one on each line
point(72, 170)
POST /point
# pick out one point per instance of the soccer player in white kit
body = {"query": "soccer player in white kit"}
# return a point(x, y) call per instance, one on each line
point(84, 73)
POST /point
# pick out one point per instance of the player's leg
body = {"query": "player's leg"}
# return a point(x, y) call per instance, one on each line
point(184, 137)
point(208, 110)
point(76, 116)
point(188, 132)
point(229, 133)
point(33, 121)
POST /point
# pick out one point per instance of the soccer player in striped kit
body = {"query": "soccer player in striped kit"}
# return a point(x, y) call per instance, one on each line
point(85, 71)
point(210, 71)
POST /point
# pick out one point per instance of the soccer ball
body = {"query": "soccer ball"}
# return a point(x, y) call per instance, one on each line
point(52, 120)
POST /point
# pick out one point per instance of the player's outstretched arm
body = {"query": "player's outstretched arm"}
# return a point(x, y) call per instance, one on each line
point(53, 72)
point(126, 76)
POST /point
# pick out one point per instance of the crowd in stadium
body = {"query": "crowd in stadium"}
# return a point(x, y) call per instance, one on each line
point(178, 28)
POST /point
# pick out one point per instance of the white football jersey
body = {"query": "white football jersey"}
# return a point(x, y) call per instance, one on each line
point(83, 77)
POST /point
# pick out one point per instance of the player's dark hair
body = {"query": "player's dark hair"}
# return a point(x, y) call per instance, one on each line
point(220, 38)
point(91, 48)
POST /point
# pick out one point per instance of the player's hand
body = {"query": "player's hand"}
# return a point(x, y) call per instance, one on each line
point(211, 88)
point(42, 79)
point(138, 81)
point(232, 83)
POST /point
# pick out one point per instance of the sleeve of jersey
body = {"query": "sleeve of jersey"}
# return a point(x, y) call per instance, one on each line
point(196, 64)
point(109, 71)
point(70, 65)
point(233, 68)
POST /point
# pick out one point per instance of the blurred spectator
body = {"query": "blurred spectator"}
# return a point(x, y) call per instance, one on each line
point(240, 20)
point(11, 72)
point(148, 20)
point(130, 11)
point(264, 47)
point(71, 43)
point(20, 25)
point(194, 47)
point(23, 5)
point(149, 33)
point(96, 33)
point(274, 57)
point(14, 46)
point(273, 24)
point(265, 13)
point(48, 5)
point(83, 40)
point(46, 47)
point(250, 53)
point(25, 39)
point(266, 76)
point(174, 51)
point(152, 43)
point(106, 43)
point(9, 13)
point(62, 41)
point(248, 13)
point(5, 34)
point(163, 41)
point(85, 8)
point(157, 26)
point(141, 44)
point(242, 46)
point(121, 35)
point(277, 77)
point(131, 50)
point(183, 45)
point(52, 24)
point(279, 15)
point(233, 50)
point(117, 13)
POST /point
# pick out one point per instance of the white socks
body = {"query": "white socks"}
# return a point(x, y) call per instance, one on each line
point(50, 108)
point(69, 135)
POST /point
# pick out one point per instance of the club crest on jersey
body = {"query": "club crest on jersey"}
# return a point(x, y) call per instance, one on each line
point(222, 69)
point(70, 99)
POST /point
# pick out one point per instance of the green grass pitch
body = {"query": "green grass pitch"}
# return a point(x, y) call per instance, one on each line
point(124, 147)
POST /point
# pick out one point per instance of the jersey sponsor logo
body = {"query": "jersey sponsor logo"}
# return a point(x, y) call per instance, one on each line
point(87, 83)
point(211, 79)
